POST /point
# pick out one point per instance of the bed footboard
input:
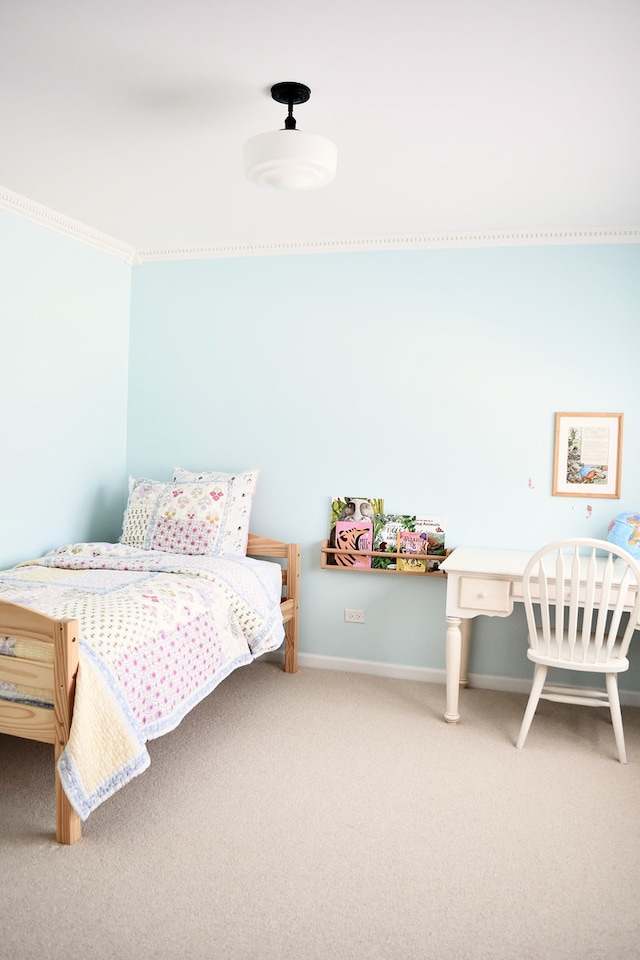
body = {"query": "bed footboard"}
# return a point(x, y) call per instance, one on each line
point(54, 672)
point(265, 548)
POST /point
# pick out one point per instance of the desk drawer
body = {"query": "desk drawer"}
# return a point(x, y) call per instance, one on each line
point(476, 594)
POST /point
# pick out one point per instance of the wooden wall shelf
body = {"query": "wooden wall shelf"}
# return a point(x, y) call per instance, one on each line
point(326, 551)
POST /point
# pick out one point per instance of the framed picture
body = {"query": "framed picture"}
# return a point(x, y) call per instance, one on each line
point(588, 455)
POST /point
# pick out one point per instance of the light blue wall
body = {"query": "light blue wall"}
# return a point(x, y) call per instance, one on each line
point(429, 378)
point(64, 340)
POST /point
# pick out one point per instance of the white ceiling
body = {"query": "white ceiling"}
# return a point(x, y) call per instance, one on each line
point(449, 116)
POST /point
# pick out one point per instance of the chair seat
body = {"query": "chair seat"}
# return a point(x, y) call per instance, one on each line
point(611, 664)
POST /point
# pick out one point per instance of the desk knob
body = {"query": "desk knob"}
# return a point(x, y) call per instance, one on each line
point(483, 595)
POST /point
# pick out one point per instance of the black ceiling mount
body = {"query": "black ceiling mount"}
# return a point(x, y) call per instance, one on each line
point(290, 93)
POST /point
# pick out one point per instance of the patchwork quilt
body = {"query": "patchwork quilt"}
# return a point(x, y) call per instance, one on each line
point(158, 632)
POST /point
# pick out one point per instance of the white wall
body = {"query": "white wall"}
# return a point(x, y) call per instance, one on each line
point(64, 340)
point(429, 378)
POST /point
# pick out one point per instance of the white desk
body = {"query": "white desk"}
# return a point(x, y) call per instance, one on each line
point(480, 581)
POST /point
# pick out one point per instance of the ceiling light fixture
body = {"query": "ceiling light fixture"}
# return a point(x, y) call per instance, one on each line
point(290, 159)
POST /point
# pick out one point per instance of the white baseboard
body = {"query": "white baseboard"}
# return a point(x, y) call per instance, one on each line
point(629, 698)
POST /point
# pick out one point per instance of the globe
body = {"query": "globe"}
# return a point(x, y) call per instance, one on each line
point(624, 531)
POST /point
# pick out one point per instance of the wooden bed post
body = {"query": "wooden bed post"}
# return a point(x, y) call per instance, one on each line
point(291, 627)
point(265, 547)
point(57, 676)
point(68, 824)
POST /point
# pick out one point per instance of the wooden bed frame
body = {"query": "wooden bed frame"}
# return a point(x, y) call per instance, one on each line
point(53, 725)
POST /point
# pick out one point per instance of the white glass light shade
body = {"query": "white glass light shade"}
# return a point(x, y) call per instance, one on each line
point(290, 159)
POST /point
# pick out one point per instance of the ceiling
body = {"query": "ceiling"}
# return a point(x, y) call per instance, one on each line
point(450, 116)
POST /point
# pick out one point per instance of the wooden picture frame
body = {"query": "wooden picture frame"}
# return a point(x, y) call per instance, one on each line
point(587, 459)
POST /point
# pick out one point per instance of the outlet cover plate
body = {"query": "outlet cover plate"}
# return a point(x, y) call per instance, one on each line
point(354, 616)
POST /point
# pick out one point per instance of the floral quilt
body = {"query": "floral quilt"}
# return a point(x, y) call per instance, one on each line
point(158, 632)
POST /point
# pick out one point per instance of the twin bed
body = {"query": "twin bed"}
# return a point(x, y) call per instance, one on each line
point(104, 646)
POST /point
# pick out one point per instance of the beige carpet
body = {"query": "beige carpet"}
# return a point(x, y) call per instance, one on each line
point(335, 816)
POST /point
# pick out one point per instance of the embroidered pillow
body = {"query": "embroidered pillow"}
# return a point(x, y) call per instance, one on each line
point(193, 517)
point(241, 490)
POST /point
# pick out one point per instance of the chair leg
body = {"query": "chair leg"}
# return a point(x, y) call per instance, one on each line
point(616, 714)
point(539, 677)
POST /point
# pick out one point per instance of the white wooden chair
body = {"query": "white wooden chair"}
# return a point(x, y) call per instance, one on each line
point(579, 622)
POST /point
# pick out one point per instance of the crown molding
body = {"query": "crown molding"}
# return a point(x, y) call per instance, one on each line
point(487, 238)
point(59, 223)
point(44, 216)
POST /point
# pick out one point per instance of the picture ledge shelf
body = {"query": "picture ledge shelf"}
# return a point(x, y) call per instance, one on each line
point(326, 551)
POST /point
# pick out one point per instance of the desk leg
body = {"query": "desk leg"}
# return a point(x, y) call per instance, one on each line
point(465, 630)
point(454, 662)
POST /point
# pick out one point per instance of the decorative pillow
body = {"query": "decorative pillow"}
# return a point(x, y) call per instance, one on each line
point(241, 490)
point(203, 516)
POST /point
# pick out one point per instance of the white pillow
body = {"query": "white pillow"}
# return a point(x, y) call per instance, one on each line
point(204, 516)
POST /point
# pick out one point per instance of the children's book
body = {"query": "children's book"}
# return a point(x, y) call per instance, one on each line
point(353, 536)
point(352, 510)
point(387, 526)
point(414, 545)
point(355, 509)
point(434, 528)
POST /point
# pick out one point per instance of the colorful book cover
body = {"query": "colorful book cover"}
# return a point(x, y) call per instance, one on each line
point(414, 545)
point(355, 509)
point(352, 510)
point(353, 536)
point(434, 528)
point(386, 528)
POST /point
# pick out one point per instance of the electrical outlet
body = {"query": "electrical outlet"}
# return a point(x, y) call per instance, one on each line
point(354, 616)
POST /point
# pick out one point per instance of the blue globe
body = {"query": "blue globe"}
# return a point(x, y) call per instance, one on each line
point(624, 531)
